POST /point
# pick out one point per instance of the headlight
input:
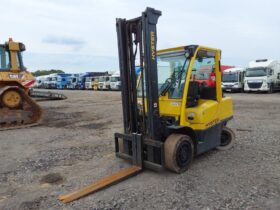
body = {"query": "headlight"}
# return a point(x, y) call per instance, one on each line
point(191, 116)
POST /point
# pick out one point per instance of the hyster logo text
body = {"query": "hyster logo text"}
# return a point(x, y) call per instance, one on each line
point(153, 47)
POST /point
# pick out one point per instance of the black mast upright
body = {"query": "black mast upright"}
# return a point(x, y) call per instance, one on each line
point(150, 18)
point(137, 39)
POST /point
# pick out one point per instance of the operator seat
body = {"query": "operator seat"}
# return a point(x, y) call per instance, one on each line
point(208, 93)
point(193, 94)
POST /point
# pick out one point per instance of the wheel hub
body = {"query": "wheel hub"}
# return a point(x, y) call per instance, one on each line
point(11, 99)
point(183, 156)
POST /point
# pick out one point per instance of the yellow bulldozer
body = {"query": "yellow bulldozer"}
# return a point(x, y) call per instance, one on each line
point(17, 108)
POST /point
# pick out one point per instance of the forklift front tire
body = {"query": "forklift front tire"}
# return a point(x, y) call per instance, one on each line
point(179, 152)
point(227, 139)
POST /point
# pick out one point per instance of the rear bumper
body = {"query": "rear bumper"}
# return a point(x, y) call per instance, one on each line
point(232, 89)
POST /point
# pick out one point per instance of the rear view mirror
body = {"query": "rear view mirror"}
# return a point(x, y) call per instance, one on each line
point(187, 54)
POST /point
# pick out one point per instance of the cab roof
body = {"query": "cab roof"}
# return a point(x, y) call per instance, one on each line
point(182, 48)
point(235, 69)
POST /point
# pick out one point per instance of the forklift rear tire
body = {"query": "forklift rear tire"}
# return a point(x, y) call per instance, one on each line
point(227, 139)
point(179, 152)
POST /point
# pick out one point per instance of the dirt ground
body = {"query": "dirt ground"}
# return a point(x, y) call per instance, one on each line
point(74, 147)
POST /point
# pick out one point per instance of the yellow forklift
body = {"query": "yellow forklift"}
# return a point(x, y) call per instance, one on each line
point(168, 116)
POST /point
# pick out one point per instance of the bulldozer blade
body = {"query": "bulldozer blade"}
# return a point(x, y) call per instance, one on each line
point(101, 184)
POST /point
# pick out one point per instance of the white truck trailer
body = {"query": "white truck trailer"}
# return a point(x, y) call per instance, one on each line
point(233, 80)
point(263, 76)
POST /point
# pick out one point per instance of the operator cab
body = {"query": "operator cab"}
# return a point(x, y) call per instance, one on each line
point(11, 56)
point(174, 71)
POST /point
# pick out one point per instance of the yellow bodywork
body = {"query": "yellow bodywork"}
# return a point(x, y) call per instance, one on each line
point(15, 75)
point(208, 112)
point(10, 77)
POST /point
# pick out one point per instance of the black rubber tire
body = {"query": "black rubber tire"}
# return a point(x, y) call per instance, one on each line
point(227, 139)
point(270, 89)
point(179, 152)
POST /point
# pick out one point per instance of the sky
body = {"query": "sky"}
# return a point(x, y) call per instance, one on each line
point(80, 35)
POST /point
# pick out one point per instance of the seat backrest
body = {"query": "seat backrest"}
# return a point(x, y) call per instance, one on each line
point(193, 94)
point(208, 93)
point(193, 90)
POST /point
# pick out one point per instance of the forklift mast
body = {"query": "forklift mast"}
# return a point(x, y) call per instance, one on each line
point(137, 38)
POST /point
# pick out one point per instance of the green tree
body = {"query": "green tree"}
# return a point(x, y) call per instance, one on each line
point(46, 72)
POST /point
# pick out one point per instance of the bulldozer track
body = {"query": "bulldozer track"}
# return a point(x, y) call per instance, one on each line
point(28, 115)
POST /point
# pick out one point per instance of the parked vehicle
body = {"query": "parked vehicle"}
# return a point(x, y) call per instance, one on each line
point(233, 80)
point(62, 80)
point(104, 83)
point(53, 81)
point(88, 83)
point(82, 78)
point(115, 81)
point(46, 82)
point(72, 82)
point(204, 73)
point(91, 83)
point(81, 81)
point(262, 75)
point(40, 81)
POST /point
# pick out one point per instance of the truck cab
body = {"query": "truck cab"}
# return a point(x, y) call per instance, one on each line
point(205, 75)
point(115, 82)
point(88, 83)
point(262, 76)
point(104, 83)
point(73, 82)
point(39, 81)
point(81, 81)
point(62, 80)
point(233, 80)
point(53, 81)
point(46, 82)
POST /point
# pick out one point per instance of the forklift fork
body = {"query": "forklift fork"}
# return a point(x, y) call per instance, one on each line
point(101, 184)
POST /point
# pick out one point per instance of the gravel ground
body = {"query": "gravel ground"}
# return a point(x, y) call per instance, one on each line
point(74, 147)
